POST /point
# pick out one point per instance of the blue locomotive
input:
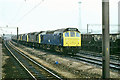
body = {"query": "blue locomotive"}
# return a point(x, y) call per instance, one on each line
point(61, 40)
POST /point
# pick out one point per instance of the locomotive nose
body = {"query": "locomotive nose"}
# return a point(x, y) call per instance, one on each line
point(72, 42)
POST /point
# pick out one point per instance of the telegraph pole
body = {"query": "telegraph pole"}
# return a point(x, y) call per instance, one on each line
point(105, 41)
point(87, 28)
point(17, 34)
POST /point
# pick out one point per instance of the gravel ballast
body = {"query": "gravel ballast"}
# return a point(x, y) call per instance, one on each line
point(67, 67)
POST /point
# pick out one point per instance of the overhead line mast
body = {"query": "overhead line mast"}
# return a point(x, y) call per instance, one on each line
point(105, 41)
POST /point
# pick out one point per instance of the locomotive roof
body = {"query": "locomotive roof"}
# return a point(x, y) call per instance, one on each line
point(52, 31)
point(35, 33)
point(24, 34)
point(39, 32)
point(32, 33)
point(61, 30)
point(67, 29)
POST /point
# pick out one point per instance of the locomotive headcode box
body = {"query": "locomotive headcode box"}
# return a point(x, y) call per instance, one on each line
point(72, 29)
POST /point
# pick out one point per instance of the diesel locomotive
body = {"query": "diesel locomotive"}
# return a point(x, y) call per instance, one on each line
point(61, 40)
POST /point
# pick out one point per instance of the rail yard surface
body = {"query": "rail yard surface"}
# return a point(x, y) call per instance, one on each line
point(21, 62)
point(10, 67)
point(64, 65)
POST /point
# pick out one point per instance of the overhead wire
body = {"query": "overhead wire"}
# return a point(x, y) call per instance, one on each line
point(18, 11)
point(29, 11)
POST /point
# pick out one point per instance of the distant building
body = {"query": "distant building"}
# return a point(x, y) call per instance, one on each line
point(119, 16)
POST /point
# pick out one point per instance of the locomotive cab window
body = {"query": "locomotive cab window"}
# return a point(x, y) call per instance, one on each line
point(77, 34)
point(67, 34)
point(72, 34)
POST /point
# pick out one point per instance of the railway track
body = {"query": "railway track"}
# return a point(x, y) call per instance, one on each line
point(98, 55)
point(34, 69)
point(96, 61)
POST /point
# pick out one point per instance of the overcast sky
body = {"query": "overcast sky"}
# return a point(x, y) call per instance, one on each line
point(41, 15)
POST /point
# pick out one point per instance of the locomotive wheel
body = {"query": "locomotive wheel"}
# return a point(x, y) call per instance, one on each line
point(73, 53)
point(61, 49)
point(64, 51)
point(52, 48)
